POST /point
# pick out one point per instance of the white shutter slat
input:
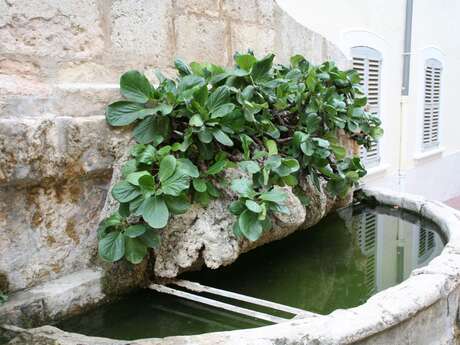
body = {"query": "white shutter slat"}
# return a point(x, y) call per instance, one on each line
point(367, 62)
point(431, 108)
point(366, 231)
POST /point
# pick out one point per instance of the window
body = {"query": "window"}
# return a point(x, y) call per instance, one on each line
point(431, 105)
point(368, 63)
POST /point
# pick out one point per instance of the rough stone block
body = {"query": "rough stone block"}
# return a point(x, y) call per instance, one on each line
point(241, 10)
point(266, 12)
point(57, 29)
point(201, 39)
point(48, 230)
point(86, 72)
point(208, 7)
point(75, 99)
point(142, 29)
point(255, 37)
point(35, 149)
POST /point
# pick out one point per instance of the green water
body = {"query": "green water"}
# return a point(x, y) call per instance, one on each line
point(339, 263)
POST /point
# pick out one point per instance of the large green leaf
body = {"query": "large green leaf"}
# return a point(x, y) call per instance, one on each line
point(250, 167)
point(262, 67)
point(253, 206)
point(187, 167)
point(147, 184)
point(177, 204)
point(222, 138)
point(124, 191)
point(199, 185)
point(182, 67)
point(245, 61)
point(287, 167)
point(151, 238)
point(196, 121)
point(217, 167)
point(112, 246)
point(135, 250)
point(246, 141)
point(205, 136)
point(135, 87)
point(148, 155)
point(167, 167)
point(250, 225)
point(276, 196)
point(176, 183)
point(152, 129)
point(243, 187)
point(134, 177)
point(129, 167)
point(188, 82)
point(123, 113)
point(222, 110)
point(113, 220)
point(311, 80)
point(271, 147)
point(155, 212)
point(218, 97)
point(135, 230)
point(237, 207)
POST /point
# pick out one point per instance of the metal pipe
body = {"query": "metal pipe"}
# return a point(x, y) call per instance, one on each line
point(407, 48)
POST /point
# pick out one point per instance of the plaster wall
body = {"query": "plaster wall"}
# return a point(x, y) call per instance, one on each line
point(380, 25)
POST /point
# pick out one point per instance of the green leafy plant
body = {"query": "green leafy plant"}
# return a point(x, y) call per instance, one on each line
point(279, 124)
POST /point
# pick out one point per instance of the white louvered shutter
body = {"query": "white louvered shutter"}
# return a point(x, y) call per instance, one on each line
point(432, 104)
point(366, 230)
point(426, 244)
point(368, 62)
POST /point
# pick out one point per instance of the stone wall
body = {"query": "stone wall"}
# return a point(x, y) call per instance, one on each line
point(59, 66)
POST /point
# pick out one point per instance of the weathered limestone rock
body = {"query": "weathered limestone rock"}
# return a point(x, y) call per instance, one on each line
point(142, 29)
point(53, 182)
point(51, 28)
point(193, 36)
point(204, 236)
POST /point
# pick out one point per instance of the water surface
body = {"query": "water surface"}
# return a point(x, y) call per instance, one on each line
point(339, 263)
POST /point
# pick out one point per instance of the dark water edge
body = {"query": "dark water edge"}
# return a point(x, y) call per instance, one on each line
point(339, 263)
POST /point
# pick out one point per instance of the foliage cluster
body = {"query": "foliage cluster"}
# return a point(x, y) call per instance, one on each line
point(279, 124)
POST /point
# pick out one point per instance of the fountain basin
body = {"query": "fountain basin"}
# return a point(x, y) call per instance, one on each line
point(420, 310)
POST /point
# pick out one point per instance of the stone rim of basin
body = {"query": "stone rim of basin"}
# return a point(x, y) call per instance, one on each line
point(423, 296)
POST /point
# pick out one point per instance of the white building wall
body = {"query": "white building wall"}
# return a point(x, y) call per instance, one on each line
point(379, 24)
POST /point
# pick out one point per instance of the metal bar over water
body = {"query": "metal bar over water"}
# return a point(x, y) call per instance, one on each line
point(217, 304)
point(196, 287)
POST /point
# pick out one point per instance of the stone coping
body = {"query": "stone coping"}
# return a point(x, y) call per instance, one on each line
point(421, 310)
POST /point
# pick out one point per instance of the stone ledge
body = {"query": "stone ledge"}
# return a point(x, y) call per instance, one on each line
point(54, 300)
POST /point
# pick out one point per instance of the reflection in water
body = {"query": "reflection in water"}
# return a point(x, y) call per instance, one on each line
point(339, 263)
point(393, 248)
